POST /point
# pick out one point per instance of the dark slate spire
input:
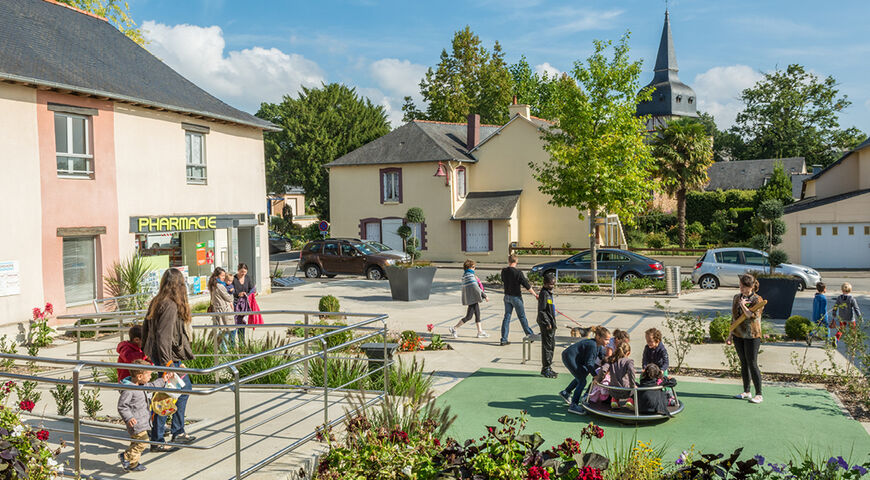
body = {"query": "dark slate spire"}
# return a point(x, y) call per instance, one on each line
point(671, 97)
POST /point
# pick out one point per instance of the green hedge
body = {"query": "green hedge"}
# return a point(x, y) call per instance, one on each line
point(700, 206)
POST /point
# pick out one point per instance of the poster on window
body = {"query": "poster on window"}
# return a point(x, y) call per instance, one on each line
point(10, 281)
point(200, 253)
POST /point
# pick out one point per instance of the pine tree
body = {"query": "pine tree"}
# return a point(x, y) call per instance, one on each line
point(778, 187)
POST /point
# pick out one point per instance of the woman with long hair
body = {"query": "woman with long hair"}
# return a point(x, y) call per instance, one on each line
point(243, 288)
point(221, 302)
point(747, 335)
point(581, 360)
point(166, 333)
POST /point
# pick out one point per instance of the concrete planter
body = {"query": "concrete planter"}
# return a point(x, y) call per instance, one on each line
point(409, 284)
point(779, 293)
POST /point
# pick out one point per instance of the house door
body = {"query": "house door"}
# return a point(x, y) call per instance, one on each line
point(389, 233)
point(373, 231)
point(477, 236)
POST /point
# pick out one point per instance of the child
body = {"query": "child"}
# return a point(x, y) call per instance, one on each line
point(228, 283)
point(845, 310)
point(133, 406)
point(547, 322)
point(621, 370)
point(130, 350)
point(820, 310)
point(655, 351)
point(654, 401)
point(472, 296)
point(618, 337)
point(580, 359)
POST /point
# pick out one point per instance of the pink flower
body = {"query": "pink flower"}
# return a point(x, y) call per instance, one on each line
point(430, 327)
point(537, 473)
point(42, 435)
point(37, 313)
point(589, 473)
point(49, 308)
point(26, 405)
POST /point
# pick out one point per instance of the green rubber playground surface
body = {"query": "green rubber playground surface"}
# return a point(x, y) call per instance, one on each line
point(790, 418)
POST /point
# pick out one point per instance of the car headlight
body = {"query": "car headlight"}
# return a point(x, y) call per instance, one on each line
point(811, 272)
point(536, 268)
point(390, 261)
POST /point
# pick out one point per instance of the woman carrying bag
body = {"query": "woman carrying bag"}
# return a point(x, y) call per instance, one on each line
point(166, 333)
point(243, 289)
point(221, 302)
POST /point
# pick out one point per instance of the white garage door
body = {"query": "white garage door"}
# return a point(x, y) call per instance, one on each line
point(835, 245)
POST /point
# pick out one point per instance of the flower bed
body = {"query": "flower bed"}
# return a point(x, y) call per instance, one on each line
point(24, 452)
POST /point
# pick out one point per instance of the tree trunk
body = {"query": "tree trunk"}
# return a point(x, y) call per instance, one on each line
point(593, 243)
point(681, 216)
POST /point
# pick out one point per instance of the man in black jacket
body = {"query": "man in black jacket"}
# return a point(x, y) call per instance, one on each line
point(547, 322)
point(514, 282)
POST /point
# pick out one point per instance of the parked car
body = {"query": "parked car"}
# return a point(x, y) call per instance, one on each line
point(628, 265)
point(723, 266)
point(279, 244)
point(334, 256)
point(380, 247)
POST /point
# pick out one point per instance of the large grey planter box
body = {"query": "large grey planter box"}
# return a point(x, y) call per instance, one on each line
point(409, 284)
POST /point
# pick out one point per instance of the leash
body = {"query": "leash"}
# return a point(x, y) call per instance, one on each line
point(569, 318)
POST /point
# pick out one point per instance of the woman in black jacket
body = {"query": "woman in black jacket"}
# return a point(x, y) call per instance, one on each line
point(166, 333)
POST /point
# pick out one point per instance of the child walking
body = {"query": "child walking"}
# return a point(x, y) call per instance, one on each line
point(581, 360)
point(130, 350)
point(820, 311)
point(133, 409)
point(547, 323)
point(472, 295)
point(846, 310)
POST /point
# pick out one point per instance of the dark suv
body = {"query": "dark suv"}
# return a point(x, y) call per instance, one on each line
point(335, 256)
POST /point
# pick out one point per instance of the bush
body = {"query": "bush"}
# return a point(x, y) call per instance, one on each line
point(797, 327)
point(656, 240)
point(494, 279)
point(720, 327)
point(200, 307)
point(328, 303)
point(86, 321)
point(701, 206)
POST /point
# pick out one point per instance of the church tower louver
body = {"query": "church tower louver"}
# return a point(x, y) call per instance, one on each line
point(670, 97)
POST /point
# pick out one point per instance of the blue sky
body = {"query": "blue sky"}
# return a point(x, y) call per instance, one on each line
point(253, 51)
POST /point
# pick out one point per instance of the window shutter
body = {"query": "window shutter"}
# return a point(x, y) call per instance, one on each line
point(399, 186)
point(463, 235)
point(490, 235)
point(382, 175)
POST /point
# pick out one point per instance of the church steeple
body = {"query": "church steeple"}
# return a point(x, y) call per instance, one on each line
point(671, 97)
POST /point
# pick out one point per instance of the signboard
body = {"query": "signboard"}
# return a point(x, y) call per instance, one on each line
point(200, 253)
point(323, 226)
point(186, 223)
point(10, 279)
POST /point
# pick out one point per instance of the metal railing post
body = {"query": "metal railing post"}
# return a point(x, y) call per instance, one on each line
point(217, 333)
point(238, 414)
point(386, 365)
point(77, 449)
point(305, 378)
point(325, 356)
point(78, 344)
point(612, 285)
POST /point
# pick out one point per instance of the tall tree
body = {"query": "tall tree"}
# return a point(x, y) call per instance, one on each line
point(319, 126)
point(683, 152)
point(544, 94)
point(794, 113)
point(727, 145)
point(469, 79)
point(599, 161)
point(116, 12)
point(778, 187)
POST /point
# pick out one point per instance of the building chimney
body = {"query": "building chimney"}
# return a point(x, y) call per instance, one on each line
point(817, 169)
point(518, 109)
point(473, 134)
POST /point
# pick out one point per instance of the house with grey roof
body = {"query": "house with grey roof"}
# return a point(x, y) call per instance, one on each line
point(472, 181)
point(754, 174)
point(109, 153)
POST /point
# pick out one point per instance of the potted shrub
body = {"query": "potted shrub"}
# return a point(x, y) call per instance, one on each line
point(779, 290)
point(411, 281)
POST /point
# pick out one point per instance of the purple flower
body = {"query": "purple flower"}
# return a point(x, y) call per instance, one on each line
point(759, 459)
point(861, 470)
point(776, 468)
point(842, 463)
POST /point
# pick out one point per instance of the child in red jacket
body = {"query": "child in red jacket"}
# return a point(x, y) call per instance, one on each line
point(130, 350)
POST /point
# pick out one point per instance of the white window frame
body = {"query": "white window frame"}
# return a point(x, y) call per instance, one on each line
point(188, 164)
point(70, 172)
point(93, 242)
point(461, 184)
point(395, 184)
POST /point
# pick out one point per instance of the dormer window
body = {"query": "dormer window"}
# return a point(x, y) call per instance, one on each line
point(662, 98)
point(691, 100)
point(679, 98)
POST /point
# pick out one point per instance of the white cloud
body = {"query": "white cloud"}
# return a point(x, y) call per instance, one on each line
point(550, 70)
point(582, 19)
point(242, 78)
point(718, 91)
point(396, 79)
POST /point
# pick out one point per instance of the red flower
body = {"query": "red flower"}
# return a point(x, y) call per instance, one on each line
point(37, 313)
point(399, 436)
point(537, 473)
point(599, 432)
point(436, 442)
point(430, 327)
point(589, 473)
point(42, 435)
point(26, 405)
point(49, 307)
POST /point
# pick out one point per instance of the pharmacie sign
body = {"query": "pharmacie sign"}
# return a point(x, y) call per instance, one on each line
point(185, 223)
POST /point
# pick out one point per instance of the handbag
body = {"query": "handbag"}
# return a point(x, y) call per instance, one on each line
point(164, 403)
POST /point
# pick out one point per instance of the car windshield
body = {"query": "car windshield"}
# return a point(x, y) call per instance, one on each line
point(366, 249)
point(378, 246)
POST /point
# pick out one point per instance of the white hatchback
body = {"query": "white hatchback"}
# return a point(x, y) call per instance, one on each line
point(723, 266)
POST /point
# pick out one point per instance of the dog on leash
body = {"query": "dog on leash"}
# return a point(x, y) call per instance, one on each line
point(581, 332)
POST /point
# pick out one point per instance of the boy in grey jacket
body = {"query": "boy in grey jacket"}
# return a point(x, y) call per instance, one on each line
point(134, 408)
point(846, 311)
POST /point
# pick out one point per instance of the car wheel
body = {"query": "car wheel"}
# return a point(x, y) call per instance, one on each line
point(629, 276)
point(374, 273)
point(802, 285)
point(288, 247)
point(312, 271)
point(708, 282)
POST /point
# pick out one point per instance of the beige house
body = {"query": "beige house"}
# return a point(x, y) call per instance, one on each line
point(830, 226)
point(109, 153)
point(472, 181)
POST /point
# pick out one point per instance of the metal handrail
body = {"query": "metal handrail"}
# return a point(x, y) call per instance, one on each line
point(235, 385)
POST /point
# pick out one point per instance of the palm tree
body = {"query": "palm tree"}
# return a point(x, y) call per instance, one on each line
point(683, 151)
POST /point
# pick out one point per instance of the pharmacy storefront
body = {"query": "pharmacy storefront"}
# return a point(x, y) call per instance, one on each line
point(196, 244)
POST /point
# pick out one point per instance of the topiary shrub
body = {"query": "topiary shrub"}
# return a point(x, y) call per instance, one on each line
point(328, 303)
point(720, 327)
point(797, 327)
